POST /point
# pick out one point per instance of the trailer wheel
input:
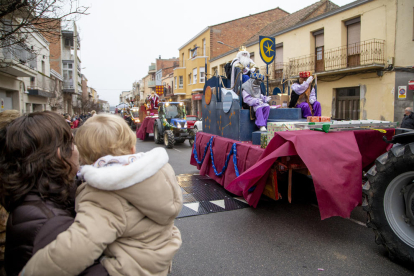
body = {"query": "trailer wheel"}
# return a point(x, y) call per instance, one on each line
point(389, 201)
point(192, 134)
point(157, 135)
point(169, 139)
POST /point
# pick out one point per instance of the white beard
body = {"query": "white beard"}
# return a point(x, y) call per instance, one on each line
point(244, 60)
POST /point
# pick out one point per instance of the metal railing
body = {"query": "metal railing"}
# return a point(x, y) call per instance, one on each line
point(369, 52)
point(20, 54)
point(200, 51)
point(41, 82)
point(68, 84)
point(151, 67)
point(151, 83)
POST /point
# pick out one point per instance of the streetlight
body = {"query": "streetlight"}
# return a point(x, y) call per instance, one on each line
point(226, 45)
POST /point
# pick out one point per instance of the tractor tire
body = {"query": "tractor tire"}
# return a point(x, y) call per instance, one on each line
point(192, 133)
point(157, 136)
point(169, 139)
point(389, 201)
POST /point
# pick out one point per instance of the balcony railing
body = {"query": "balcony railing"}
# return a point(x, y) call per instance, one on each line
point(41, 82)
point(151, 83)
point(200, 51)
point(364, 53)
point(20, 54)
point(68, 84)
point(151, 68)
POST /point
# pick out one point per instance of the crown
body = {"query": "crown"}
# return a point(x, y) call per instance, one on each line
point(242, 48)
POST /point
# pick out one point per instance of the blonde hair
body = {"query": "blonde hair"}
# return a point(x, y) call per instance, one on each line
point(7, 116)
point(102, 135)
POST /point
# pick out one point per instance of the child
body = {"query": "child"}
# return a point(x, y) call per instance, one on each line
point(125, 209)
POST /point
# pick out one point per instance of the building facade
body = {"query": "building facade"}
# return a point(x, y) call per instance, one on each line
point(360, 61)
point(195, 55)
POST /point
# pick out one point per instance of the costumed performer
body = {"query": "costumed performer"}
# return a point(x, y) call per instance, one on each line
point(253, 97)
point(243, 62)
point(298, 88)
point(152, 102)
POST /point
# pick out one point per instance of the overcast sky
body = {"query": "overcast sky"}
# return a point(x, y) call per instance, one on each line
point(120, 39)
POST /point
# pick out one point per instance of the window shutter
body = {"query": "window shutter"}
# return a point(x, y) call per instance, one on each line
point(354, 38)
point(279, 54)
point(319, 40)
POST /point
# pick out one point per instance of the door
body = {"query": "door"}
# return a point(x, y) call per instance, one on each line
point(319, 50)
point(347, 103)
point(354, 41)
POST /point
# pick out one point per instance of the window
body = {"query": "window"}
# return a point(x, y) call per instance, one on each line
point(202, 74)
point(181, 81)
point(222, 71)
point(175, 82)
point(347, 103)
point(214, 70)
point(252, 56)
point(195, 75)
point(189, 79)
point(319, 50)
point(68, 42)
point(183, 60)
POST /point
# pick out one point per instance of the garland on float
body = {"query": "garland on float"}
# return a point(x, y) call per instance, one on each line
point(210, 144)
point(165, 123)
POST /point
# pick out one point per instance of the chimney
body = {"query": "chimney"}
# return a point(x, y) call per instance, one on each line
point(159, 57)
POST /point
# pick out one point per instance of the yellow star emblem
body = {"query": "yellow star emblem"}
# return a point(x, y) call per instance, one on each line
point(268, 48)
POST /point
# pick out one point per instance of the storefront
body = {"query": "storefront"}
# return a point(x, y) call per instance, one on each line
point(196, 104)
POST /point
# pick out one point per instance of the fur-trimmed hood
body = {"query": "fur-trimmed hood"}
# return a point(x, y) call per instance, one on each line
point(121, 175)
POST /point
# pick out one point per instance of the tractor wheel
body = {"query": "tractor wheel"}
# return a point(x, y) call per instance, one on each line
point(169, 139)
point(157, 135)
point(192, 134)
point(389, 201)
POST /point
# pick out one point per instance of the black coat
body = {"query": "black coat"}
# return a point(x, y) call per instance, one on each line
point(32, 225)
point(408, 121)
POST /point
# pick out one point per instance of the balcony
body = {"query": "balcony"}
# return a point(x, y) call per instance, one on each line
point(42, 86)
point(151, 69)
point(151, 83)
point(18, 61)
point(367, 54)
point(199, 52)
point(68, 86)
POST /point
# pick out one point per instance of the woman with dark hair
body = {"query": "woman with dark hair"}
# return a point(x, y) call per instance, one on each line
point(38, 165)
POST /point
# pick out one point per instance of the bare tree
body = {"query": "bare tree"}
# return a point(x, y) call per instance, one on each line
point(21, 18)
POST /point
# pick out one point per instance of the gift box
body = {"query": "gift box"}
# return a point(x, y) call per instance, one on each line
point(273, 127)
point(263, 140)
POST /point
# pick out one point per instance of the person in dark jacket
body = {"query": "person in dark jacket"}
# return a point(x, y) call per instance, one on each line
point(408, 120)
point(38, 164)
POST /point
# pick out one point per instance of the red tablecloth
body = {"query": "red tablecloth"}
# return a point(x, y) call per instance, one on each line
point(147, 126)
point(247, 155)
point(335, 161)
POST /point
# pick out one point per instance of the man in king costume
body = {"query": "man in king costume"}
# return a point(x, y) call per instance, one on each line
point(253, 97)
point(152, 101)
point(244, 63)
point(301, 99)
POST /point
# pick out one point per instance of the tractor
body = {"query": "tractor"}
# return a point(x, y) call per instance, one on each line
point(171, 125)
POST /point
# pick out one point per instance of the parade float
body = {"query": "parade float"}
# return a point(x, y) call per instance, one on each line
point(350, 162)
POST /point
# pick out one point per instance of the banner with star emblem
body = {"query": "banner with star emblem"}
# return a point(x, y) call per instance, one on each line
point(267, 47)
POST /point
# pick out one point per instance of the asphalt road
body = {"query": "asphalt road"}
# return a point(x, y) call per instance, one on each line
point(276, 238)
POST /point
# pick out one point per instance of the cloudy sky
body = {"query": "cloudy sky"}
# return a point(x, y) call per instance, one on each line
point(120, 39)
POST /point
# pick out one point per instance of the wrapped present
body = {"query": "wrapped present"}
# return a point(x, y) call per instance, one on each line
point(271, 189)
point(263, 140)
point(313, 119)
point(325, 119)
point(273, 127)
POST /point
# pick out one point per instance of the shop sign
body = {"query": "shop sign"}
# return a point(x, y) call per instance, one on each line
point(411, 85)
point(197, 97)
point(402, 92)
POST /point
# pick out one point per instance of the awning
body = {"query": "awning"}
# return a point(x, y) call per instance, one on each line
point(41, 93)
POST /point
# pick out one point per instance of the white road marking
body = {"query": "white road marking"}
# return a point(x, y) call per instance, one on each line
point(177, 150)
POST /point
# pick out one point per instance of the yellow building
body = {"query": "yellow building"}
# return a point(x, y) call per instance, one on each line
point(362, 54)
point(194, 55)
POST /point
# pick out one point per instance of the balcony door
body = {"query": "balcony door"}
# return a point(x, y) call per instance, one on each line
point(354, 40)
point(279, 62)
point(319, 50)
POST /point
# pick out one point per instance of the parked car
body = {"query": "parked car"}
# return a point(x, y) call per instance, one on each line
point(191, 120)
point(198, 125)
